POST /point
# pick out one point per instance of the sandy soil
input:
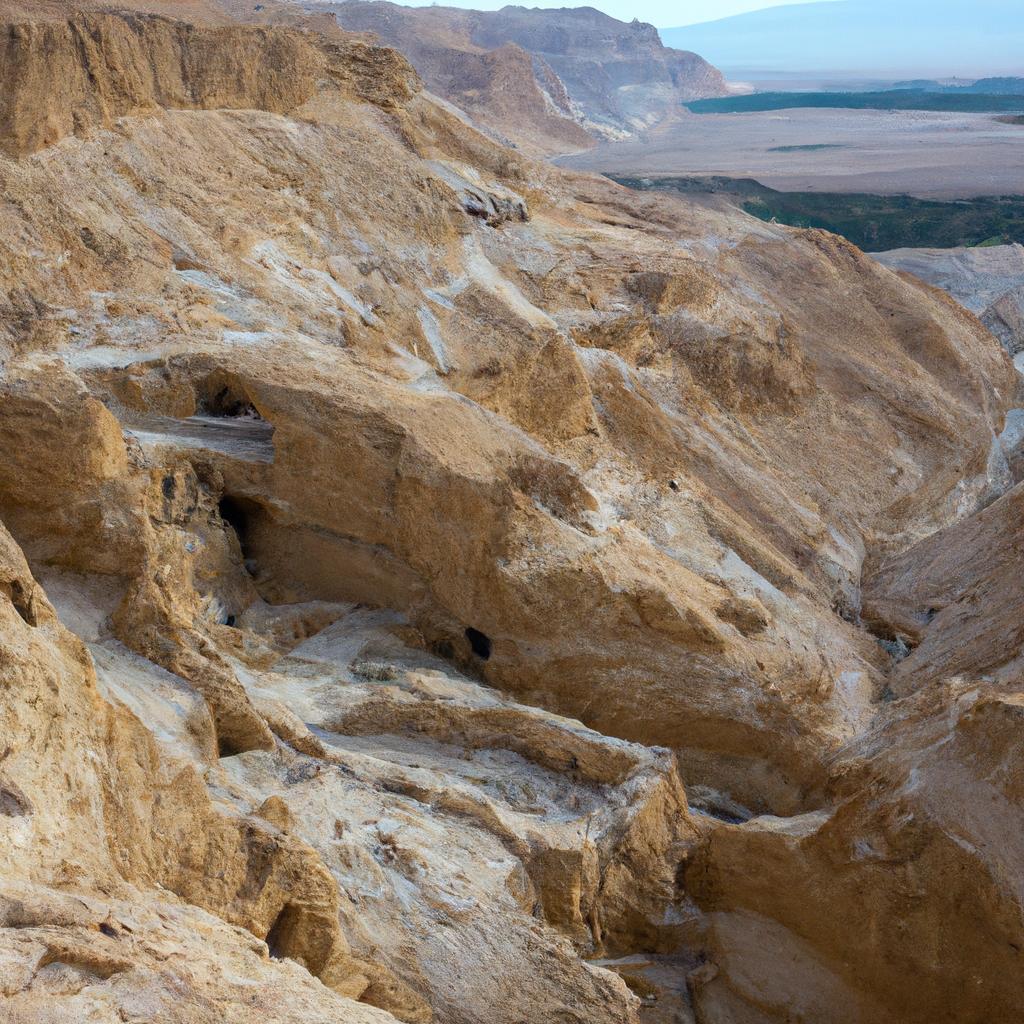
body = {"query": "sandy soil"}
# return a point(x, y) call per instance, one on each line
point(923, 153)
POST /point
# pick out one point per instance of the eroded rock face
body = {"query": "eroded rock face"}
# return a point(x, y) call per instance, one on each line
point(396, 525)
point(61, 77)
point(988, 280)
point(550, 80)
point(953, 599)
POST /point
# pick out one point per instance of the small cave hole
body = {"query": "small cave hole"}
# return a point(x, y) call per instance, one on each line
point(230, 403)
point(225, 748)
point(230, 620)
point(21, 597)
point(240, 514)
point(282, 939)
point(479, 642)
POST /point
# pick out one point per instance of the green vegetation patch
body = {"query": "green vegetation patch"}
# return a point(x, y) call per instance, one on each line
point(893, 99)
point(872, 222)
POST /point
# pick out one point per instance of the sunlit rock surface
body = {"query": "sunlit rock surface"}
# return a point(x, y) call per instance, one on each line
point(435, 586)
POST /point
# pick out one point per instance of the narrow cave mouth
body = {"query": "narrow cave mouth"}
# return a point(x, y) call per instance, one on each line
point(226, 748)
point(479, 642)
point(230, 402)
point(281, 939)
point(241, 514)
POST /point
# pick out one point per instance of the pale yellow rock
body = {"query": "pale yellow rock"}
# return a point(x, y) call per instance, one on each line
point(396, 525)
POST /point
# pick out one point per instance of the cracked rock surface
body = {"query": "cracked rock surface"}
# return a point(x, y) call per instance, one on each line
point(436, 586)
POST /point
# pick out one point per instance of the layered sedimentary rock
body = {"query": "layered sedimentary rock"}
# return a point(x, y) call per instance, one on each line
point(65, 76)
point(396, 526)
point(549, 80)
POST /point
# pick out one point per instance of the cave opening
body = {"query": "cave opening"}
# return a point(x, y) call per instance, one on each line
point(480, 643)
point(284, 932)
point(241, 515)
point(21, 597)
point(231, 403)
point(226, 748)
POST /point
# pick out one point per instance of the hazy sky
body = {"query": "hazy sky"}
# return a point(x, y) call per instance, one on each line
point(663, 13)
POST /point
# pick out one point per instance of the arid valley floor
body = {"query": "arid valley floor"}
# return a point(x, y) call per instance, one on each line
point(923, 153)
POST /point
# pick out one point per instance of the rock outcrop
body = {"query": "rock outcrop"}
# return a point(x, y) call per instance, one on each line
point(393, 528)
point(549, 80)
point(60, 77)
point(988, 280)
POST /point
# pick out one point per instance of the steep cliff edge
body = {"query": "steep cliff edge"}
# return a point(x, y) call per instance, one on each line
point(61, 77)
point(396, 525)
point(550, 80)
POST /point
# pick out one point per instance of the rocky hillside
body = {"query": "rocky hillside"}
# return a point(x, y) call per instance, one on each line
point(438, 587)
point(988, 280)
point(549, 80)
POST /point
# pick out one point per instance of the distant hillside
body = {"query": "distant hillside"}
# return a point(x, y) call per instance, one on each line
point(909, 37)
point(549, 80)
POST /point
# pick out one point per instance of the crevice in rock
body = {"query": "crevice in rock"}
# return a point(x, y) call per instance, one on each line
point(895, 643)
point(847, 607)
point(21, 597)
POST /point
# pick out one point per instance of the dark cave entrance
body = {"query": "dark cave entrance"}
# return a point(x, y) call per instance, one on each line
point(479, 642)
point(242, 515)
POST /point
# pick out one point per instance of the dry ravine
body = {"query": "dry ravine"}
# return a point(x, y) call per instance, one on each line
point(435, 586)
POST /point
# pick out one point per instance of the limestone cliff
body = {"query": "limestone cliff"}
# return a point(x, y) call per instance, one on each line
point(60, 77)
point(434, 586)
point(550, 80)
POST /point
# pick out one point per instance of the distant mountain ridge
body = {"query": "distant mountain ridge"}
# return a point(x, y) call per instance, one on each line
point(968, 38)
point(548, 80)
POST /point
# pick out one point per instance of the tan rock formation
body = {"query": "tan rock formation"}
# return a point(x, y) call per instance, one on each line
point(343, 452)
point(61, 77)
point(953, 599)
point(552, 81)
point(988, 280)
